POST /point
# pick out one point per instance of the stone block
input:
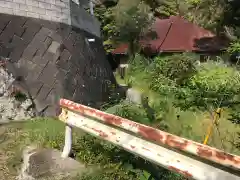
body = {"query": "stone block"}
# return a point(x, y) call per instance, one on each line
point(53, 13)
point(60, 75)
point(62, 4)
point(29, 33)
point(32, 3)
point(4, 20)
point(54, 47)
point(6, 10)
point(55, 8)
point(65, 55)
point(31, 14)
point(42, 95)
point(51, 1)
point(42, 34)
point(48, 74)
point(69, 84)
point(34, 74)
point(39, 10)
point(47, 58)
point(24, 7)
point(19, 1)
point(11, 5)
point(29, 52)
point(65, 11)
point(56, 37)
point(48, 164)
point(44, 5)
point(35, 87)
point(45, 17)
point(6, 36)
point(19, 12)
point(134, 96)
point(43, 47)
point(18, 48)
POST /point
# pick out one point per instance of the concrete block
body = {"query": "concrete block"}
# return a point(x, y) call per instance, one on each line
point(48, 164)
point(53, 7)
point(6, 10)
point(52, 13)
point(45, 17)
point(19, 1)
point(66, 21)
point(51, 1)
point(24, 7)
point(19, 12)
point(65, 11)
point(34, 15)
point(32, 3)
point(134, 96)
point(9, 4)
point(38, 10)
point(44, 5)
point(53, 48)
point(62, 4)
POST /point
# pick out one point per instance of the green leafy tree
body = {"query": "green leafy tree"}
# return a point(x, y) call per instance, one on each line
point(234, 47)
point(132, 22)
point(108, 29)
point(214, 85)
point(177, 68)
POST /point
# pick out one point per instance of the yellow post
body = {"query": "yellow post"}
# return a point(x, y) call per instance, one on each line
point(216, 117)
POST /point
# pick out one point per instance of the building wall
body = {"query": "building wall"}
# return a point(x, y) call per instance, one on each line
point(63, 11)
point(54, 10)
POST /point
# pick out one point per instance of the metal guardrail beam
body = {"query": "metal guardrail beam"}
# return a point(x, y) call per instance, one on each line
point(158, 147)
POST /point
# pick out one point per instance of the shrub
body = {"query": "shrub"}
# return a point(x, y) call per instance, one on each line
point(214, 85)
point(178, 67)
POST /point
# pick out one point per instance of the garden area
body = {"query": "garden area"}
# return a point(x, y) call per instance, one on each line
point(184, 96)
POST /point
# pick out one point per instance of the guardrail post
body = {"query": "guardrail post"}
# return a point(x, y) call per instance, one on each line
point(68, 141)
point(191, 159)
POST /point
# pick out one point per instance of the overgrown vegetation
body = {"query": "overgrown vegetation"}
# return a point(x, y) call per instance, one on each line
point(184, 96)
point(108, 161)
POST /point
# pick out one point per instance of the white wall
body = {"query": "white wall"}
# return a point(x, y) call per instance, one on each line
point(54, 10)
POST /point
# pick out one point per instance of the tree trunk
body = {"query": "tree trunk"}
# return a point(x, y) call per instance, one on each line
point(131, 50)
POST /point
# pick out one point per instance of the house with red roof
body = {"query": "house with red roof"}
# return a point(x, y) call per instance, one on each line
point(176, 35)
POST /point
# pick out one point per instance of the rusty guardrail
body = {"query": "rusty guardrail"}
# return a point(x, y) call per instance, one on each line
point(189, 158)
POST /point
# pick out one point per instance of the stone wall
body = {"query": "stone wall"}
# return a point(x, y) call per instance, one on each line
point(51, 60)
point(82, 19)
point(54, 10)
point(63, 11)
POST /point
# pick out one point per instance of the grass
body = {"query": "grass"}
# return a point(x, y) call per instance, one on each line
point(49, 133)
point(16, 136)
point(93, 152)
point(191, 125)
point(40, 133)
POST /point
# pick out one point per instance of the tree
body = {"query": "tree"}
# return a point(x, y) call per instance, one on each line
point(231, 17)
point(132, 22)
point(108, 29)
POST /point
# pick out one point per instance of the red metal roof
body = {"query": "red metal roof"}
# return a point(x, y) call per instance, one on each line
point(121, 49)
point(176, 35)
